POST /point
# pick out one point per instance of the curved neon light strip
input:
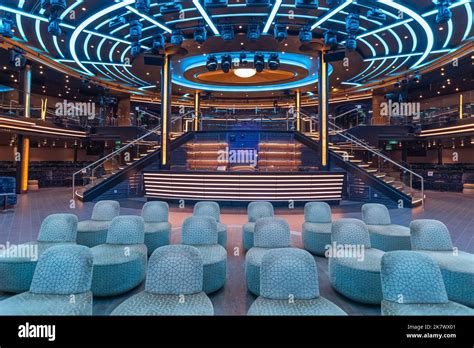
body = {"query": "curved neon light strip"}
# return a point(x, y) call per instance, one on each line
point(469, 21)
point(148, 18)
point(384, 44)
point(21, 3)
point(272, 16)
point(288, 58)
point(421, 22)
point(38, 32)
point(331, 13)
point(83, 26)
point(450, 33)
point(400, 49)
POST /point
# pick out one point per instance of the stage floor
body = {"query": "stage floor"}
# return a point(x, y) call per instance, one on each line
point(22, 224)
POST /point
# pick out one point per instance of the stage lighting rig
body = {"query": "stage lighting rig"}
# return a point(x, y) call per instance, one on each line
point(256, 3)
point(305, 34)
point(253, 32)
point(351, 42)
point(259, 62)
point(6, 26)
point(171, 7)
point(135, 49)
point(142, 5)
point(243, 59)
point(274, 61)
point(280, 32)
point(307, 4)
point(177, 37)
point(53, 27)
point(333, 3)
point(227, 33)
point(215, 3)
point(136, 30)
point(17, 58)
point(444, 12)
point(200, 35)
point(352, 23)
point(330, 38)
point(116, 21)
point(212, 63)
point(417, 77)
point(376, 14)
point(158, 43)
point(226, 63)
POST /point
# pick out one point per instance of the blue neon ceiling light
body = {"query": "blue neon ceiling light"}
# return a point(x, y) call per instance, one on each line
point(467, 6)
point(149, 18)
point(38, 32)
point(206, 17)
point(450, 33)
point(21, 3)
point(331, 13)
point(83, 26)
point(272, 16)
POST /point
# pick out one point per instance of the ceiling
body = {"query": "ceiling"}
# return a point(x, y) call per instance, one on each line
point(407, 40)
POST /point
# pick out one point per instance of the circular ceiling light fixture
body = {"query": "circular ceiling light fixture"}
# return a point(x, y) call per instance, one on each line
point(245, 73)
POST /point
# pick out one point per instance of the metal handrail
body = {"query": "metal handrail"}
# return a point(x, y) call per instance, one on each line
point(359, 143)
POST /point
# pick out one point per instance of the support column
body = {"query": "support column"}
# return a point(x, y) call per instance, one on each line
point(24, 141)
point(197, 105)
point(323, 89)
point(25, 90)
point(298, 110)
point(165, 111)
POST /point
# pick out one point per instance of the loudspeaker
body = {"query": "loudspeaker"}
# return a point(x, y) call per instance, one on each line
point(334, 56)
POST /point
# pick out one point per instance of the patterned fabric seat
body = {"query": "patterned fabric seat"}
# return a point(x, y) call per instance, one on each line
point(18, 263)
point(432, 237)
point(412, 284)
point(354, 267)
point(317, 227)
point(255, 211)
point(61, 285)
point(201, 233)
point(270, 233)
point(157, 227)
point(120, 264)
point(213, 210)
point(383, 234)
point(173, 285)
point(289, 286)
point(94, 231)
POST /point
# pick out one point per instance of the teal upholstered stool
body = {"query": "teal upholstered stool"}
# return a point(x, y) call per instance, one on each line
point(355, 273)
point(289, 286)
point(412, 284)
point(18, 263)
point(255, 211)
point(317, 227)
point(201, 233)
point(213, 210)
point(61, 285)
point(173, 285)
point(157, 227)
point(270, 233)
point(383, 234)
point(120, 264)
point(432, 237)
point(94, 231)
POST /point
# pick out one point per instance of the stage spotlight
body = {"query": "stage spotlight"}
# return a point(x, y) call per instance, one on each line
point(376, 14)
point(305, 34)
point(55, 5)
point(243, 59)
point(259, 62)
point(135, 49)
point(308, 4)
point(226, 63)
point(158, 43)
point(254, 3)
point(330, 38)
point(274, 61)
point(135, 30)
point(177, 37)
point(171, 7)
point(397, 84)
point(212, 63)
point(352, 23)
point(116, 21)
point(215, 3)
point(444, 12)
point(333, 3)
point(417, 77)
point(53, 27)
point(281, 33)
point(227, 33)
point(142, 5)
point(351, 42)
point(6, 27)
point(253, 32)
point(200, 35)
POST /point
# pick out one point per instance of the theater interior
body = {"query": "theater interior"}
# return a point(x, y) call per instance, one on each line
point(236, 158)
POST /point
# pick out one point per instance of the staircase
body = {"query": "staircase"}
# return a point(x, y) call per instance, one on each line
point(372, 167)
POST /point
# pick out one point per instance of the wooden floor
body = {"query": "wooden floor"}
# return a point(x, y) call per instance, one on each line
point(22, 224)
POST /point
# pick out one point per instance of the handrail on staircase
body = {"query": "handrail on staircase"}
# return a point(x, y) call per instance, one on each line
point(355, 140)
